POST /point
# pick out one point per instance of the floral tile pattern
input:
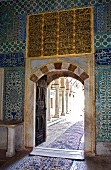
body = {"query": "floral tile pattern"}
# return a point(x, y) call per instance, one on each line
point(103, 103)
point(14, 94)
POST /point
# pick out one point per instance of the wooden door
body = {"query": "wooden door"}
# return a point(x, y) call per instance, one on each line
point(40, 127)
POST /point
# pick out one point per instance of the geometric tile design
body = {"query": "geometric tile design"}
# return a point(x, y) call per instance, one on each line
point(19, 27)
point(102, 18)
point(11, 60)
point(34, 6)
point(13, 17)
point(103, 103)
point(55, 33)
point(102, 40)
point(14, 93)
point(103, 57)
point(13, 28)
point(13, 47)
point(6, 23)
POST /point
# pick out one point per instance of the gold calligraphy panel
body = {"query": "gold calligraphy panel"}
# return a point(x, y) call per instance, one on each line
point(66, 32)
point(50, 34)
point(83, 31)
point(60, 33)
point(35, 36)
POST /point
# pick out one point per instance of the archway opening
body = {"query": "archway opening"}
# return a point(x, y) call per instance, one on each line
point(65, 126)
point(82, 71)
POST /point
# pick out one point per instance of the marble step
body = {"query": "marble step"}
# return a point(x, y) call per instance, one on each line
point(60, 153)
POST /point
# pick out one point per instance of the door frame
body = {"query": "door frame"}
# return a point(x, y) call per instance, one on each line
point(32, 74)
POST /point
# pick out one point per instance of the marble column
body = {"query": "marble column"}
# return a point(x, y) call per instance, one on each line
point(63, 96)
point(57, 99)
point(67, 101)
point(11, 142)
point(67, 96)
point(63, 102)
point(48, 104)
point(71, 99)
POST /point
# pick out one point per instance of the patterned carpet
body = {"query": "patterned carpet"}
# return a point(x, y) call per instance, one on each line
point(70, 139)
point(41, 163)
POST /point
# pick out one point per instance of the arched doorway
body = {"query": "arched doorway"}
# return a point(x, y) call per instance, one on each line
point(84, 72)
point(66, 94)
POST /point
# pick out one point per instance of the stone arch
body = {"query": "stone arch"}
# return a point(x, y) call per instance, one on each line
point(66, 68)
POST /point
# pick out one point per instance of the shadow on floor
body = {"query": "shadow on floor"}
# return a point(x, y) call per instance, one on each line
point(7, 161)
point(90, 163)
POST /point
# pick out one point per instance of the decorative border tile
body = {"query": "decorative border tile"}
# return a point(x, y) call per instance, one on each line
point(11, 47)
point(103, 57)
point(102, 41)
point(11, 60)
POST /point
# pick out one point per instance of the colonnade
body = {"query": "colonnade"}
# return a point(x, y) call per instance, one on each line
point(59, 95)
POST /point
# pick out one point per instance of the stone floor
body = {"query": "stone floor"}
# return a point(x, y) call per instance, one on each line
point(90, 163)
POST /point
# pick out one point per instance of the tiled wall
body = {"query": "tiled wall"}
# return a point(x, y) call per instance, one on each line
point(13, 16)
point(14, 93)
point(103, 103)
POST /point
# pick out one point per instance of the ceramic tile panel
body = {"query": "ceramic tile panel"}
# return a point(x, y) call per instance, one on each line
point(11, 60)
point(12, 27)
point(6, 23)
point(102, 41)
point(11, 47)
point(103, 103)
point(14, 94)
point(103, 57)
point(102, 18)
point(19, 9)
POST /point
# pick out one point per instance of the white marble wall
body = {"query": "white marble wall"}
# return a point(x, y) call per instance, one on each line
point(29, 108)
point(89, 116)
